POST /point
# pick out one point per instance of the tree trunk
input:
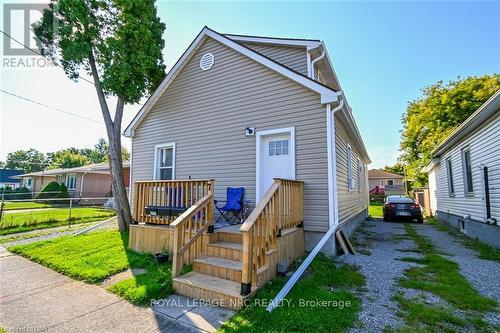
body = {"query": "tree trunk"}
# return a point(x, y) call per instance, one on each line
point(116, 167)
point(113, 129)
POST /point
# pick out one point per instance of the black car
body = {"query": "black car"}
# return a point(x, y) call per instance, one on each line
point(401, 206)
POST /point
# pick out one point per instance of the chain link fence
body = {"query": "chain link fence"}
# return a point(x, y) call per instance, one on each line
point(19, 215)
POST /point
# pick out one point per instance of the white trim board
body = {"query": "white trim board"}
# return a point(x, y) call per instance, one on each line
point(275, 41)
point(327, 95)
point(157, 148)
point(291, 147)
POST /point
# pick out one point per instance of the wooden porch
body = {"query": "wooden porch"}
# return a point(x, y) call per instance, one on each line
point(230, 263)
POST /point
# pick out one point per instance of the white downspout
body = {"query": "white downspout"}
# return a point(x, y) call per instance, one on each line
point(332, 203)
point(81, 185)
point(332, 164)
point(315, 61)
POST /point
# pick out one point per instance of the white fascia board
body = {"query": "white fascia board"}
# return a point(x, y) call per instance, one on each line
point(327, 95)
point(274, 41)
point(433, 163)
point(475, 120)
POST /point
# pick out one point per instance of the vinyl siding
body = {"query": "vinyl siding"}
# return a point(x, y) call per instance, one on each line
point(292, 57)
point(484, 150)
point(351, 203)
point(205, 114)
point(96, 185)
point(381, 182)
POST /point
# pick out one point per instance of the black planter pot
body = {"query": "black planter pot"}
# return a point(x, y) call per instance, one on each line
point(161, 258)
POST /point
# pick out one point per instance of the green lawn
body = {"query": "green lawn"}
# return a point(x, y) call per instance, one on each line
point(375, 209)
point(326, 282)
point(9, 205)
point(39, 219)
point(95, 256)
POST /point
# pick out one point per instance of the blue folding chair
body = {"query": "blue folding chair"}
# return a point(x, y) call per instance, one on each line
point(233, 210)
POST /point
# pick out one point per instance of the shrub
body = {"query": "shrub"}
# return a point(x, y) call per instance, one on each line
point(15, 194)
point(63, 191)
point(53, 190)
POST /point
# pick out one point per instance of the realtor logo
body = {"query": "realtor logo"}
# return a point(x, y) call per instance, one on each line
point(17, 20)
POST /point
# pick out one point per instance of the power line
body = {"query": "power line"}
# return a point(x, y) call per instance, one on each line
point(51, 107)
point(36, 52)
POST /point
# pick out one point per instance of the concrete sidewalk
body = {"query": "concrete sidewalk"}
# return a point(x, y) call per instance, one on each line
point(36, 299)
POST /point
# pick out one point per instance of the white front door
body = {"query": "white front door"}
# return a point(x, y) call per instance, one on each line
point(276, 160)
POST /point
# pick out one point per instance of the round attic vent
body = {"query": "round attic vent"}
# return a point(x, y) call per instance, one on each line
point(207, 61)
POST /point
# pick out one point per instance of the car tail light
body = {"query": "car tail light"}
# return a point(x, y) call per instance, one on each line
point(389, 206)
point(415, 206)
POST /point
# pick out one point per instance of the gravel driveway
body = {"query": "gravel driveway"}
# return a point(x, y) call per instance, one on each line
point(381, 244)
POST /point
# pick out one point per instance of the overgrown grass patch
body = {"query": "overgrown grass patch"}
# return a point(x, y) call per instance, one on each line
point(426, 317)
point(484, 251)
point(90, 257)
point(156, 283)
point(337, 314)
point(45, 218)
point(442, 277)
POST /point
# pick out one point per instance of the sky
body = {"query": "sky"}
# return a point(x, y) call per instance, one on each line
point(384, 53)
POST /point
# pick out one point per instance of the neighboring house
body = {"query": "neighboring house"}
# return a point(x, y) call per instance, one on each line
point(6, 179)
point(92, 180)
point(464, 175)
point(239, 111)
point(378, 179)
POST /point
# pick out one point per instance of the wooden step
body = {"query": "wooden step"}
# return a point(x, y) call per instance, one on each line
point(220, 267)
point(228, 250)
point(234, 236)
point(210, 288)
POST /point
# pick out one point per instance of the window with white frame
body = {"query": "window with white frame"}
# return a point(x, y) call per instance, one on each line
point(467, 170)
point(165, 162)
point(278, 147)
point(71, 181)
point(350, 180)
point(449, 175)
point(27, 183)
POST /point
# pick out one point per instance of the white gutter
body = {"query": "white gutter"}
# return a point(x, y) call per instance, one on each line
point(81, 185)
point(332, 203)
point(315, 61)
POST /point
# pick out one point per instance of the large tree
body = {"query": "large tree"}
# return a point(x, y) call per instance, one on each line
point(119, 43)
point(67, 158)
point(397, 168)
point(100, 152)
point(429, 119)
point(30, 160)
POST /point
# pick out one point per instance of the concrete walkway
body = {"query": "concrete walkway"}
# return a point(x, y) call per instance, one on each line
point(36, 299)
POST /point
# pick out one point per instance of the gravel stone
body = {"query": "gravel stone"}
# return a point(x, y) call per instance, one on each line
point(381, 269)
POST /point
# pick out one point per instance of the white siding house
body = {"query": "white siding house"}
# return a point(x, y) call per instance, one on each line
point(464, 176)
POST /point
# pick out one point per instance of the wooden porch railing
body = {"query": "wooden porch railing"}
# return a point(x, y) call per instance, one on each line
point(279, 209)
point(189, 228)
point(178, 194)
